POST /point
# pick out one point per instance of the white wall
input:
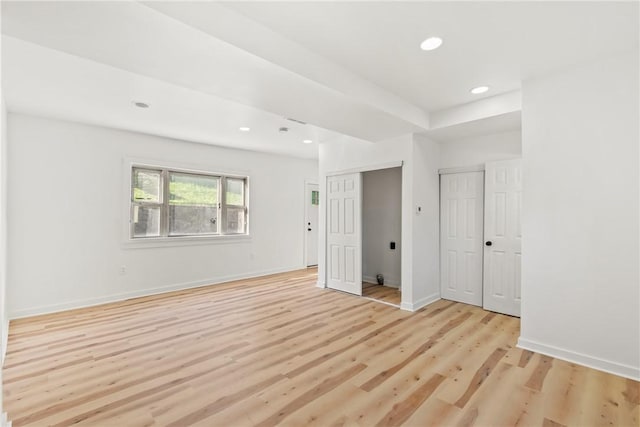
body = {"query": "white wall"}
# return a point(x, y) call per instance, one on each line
point(67, 204)
point(4, 314)
point(478, 150)
point(382, 224)
point(492, 106)
point(4, 319)
point(426, 224)
point(580, 279)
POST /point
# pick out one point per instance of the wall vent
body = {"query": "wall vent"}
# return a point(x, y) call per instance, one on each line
point(297, 121)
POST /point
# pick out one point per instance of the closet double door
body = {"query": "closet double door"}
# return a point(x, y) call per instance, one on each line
point(480, 236)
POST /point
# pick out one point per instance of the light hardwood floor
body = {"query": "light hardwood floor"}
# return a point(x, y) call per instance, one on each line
point(278, 350)
point(381, 293)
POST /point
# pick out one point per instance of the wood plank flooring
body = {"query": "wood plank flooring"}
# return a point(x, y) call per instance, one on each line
point(381, 293)
point(278, 350)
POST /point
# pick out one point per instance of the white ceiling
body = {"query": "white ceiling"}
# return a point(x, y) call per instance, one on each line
point(508, 122)
point(55, 84)
point(485, 43)
point(353, 68)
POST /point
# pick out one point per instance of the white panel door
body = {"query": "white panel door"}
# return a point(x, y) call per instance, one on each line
point(461, 228)
point(344, 233)
point(503, 236)
point(312, 203)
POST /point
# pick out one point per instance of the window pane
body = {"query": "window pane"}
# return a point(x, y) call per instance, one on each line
point(189, 219)
point(235, 192)
point(146, 185)
point(235, 220)
point(146, 221)
point(193, 190)
point(193, 204)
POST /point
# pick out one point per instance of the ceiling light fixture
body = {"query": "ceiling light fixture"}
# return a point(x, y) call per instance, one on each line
point(141, 104)
point(480, 89)
point(307, 141)
point(244, 129)
point(431, 43)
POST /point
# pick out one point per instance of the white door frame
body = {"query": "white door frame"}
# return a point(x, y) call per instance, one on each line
point(368, 168)
point(323, 197)
point(304, 220)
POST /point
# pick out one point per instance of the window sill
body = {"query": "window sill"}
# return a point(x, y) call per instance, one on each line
point(161, 242)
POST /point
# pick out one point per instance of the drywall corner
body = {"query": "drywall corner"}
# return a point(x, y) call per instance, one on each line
point(425, 214)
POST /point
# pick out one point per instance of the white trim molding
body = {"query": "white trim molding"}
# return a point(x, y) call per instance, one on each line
point(366, 168)
point(391, 283)
point(88, 302)
point(462, 169)
point(5, 421)
point(422, 302)
point(632, 372)
point(321, 284)
point(5, 340)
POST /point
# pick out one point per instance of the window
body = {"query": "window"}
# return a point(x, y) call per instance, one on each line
point(172, 203)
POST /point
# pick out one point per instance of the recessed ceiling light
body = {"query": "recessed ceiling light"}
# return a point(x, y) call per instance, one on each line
point(479, 90)
point(244, 129)
point(307, 141)
point(431, 43)
point(141, 104)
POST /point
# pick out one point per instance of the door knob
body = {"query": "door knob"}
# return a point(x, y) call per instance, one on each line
point(488, 243)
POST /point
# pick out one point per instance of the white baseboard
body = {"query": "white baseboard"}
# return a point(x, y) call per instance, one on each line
point(381, 301)
point(392, 283)
point(422, 302)
point(54, 308)
point(632, 372)
point(321, 284)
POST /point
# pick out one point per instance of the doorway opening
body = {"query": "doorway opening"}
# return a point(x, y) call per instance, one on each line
point(311, 206)
point(381, 235)
point(363, 226)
